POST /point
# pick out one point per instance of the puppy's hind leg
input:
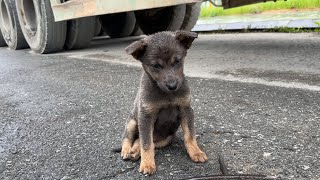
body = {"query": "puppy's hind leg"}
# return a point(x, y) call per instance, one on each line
point(129, 136)
point(135, 150)
point(163, 143)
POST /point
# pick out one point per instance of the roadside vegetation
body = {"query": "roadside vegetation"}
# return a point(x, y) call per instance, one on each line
point(292, 30)
point(208, 10)
point(272, 30)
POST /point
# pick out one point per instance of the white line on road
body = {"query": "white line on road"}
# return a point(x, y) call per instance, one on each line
point(292, 85)
point(190, 73)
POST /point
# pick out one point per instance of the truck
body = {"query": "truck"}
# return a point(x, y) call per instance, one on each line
point(48, 26)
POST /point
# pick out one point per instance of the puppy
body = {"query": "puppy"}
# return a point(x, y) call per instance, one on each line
point(163, 101)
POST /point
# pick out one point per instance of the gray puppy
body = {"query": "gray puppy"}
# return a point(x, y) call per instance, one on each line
point(163, 100)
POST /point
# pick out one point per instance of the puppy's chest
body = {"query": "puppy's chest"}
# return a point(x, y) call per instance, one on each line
point(177, 101)
point(168, 121)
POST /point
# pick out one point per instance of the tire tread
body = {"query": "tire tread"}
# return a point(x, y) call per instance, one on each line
point(2, 42)
point(191, 17)
point(55, 32)
point(17, 38)
point(84, 30)
point(165, 19)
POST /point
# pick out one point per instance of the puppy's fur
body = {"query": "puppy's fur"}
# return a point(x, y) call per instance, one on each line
point(163, 100)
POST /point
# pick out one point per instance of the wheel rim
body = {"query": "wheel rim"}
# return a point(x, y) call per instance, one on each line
point(30, 17)
point(6, 20)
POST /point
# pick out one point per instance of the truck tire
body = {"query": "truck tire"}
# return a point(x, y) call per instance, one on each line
point(98, 27)
point(10, 27)
point(37, 23)
point(191, 17)
point(80, 32)
point(119, 24)
point(161, 19)
point(137, 30)
point(2, 42)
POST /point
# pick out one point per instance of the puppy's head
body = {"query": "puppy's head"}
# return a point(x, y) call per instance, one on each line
point(162, 57)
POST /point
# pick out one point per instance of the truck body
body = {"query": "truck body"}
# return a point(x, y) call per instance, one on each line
point(48, 26)
point(83, 8)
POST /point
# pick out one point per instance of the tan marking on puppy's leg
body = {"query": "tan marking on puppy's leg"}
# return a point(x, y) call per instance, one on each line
point(147, 117)
point(147, 165)
point(130, 131)
point(163, 143)
point(135, 150)
point(191, 145)
point(126, 146)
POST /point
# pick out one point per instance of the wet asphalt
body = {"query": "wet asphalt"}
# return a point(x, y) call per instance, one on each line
point(60, 115)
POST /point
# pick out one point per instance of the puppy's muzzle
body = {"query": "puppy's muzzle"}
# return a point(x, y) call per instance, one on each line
point(172, 85)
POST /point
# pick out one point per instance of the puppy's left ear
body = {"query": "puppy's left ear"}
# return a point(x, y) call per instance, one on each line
point(136, 49)
point(186, 38)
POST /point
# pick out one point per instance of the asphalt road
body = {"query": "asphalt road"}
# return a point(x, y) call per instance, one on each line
point(256, 99)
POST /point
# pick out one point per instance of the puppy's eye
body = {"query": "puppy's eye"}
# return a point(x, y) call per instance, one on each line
point(157, 66)
point(176, 62)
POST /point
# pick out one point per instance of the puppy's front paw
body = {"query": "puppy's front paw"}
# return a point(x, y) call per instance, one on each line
point(147, 168)
point(199, 157)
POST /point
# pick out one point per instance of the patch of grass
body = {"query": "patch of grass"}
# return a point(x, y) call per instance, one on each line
point(292, 30)
point(317, 29)
point(209, 10)
point(281, 29)
point(287, 30)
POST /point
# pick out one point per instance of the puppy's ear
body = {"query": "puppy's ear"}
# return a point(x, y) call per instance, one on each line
point(136, 49)
point(186, 38)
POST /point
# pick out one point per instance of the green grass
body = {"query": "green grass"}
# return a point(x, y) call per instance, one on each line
point(292, 30)
point(210, 11)
point(273, 30)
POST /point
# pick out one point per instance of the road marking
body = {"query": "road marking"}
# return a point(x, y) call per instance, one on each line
point(291, 85)
point(190, 73)
point(134, 63)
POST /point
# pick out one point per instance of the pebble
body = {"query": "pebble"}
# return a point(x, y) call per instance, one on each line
point(225, 140)
point(14, 150)
point(304, 167)
point(265, 154)
point(65, 178)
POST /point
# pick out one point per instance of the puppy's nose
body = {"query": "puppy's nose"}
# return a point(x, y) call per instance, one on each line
point(172, 86)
